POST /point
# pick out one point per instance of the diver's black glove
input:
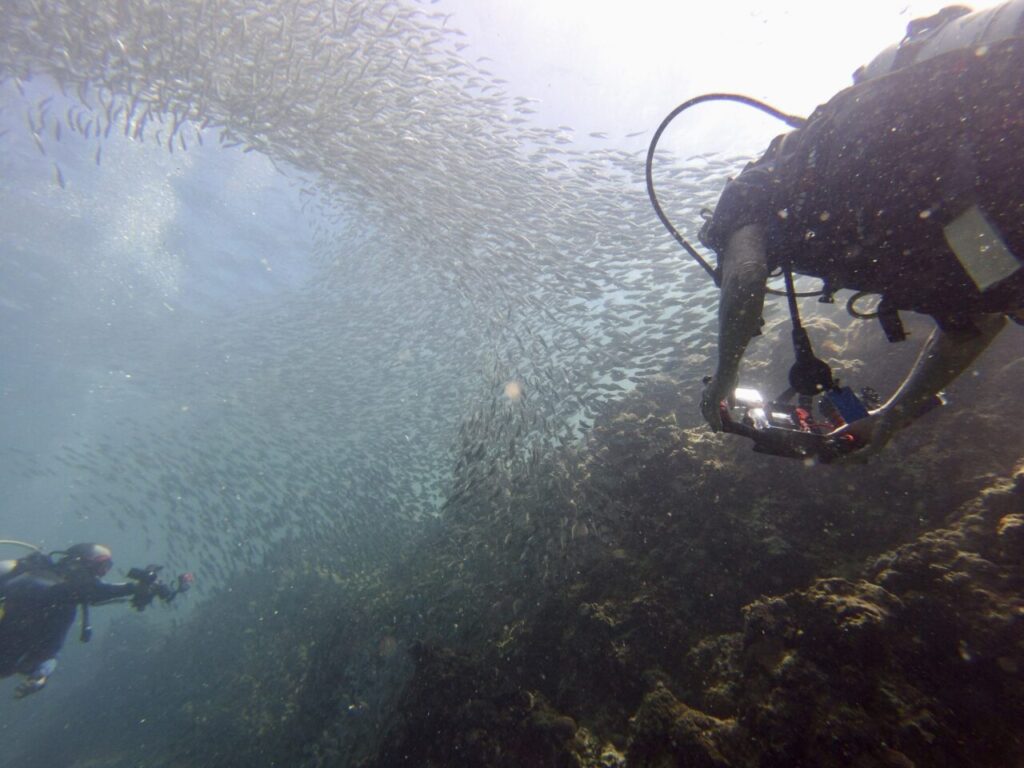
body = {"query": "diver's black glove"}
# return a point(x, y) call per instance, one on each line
point(147, 586)
point(711, 399)
point(143, 596)
point(146, 591)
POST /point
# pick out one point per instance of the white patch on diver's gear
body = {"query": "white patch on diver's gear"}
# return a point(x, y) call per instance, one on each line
point(979, 248)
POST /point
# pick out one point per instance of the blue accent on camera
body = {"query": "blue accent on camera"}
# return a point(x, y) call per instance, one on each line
point(847, 403)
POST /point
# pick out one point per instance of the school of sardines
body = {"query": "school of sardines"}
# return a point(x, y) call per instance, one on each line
point(484, 285)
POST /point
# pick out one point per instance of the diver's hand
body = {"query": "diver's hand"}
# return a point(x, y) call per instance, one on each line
point(715, 391)
point(871, 434)
point(145, 591)
point(30, 686)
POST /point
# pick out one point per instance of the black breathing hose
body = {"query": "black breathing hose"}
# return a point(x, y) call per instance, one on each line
point(809, 375)
point(790, 120)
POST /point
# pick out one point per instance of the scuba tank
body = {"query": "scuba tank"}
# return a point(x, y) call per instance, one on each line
point(11, 568)
point(951, 28)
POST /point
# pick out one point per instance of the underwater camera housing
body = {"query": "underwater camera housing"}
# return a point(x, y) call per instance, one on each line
point(148, 579)
point(147, 575)
point(798, 430)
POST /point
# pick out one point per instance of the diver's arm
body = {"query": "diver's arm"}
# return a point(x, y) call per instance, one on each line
point(744, 279)
point(101, 591)
point(945, 356)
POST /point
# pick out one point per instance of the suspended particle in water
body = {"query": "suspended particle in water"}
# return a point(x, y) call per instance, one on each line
point(513, 391)
point(387, 646)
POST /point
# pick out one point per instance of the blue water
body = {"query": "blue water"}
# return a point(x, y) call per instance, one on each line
point(107, 286)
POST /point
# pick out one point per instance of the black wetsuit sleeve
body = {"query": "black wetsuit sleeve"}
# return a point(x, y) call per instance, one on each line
point(747, 199)
point(69, 593)
point(101, 592)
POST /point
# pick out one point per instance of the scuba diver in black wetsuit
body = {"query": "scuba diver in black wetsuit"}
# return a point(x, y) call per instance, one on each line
point(39, 597)
point(908, 185)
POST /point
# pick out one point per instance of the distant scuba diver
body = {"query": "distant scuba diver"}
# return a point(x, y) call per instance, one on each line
point(908, 185)
point(40, 595)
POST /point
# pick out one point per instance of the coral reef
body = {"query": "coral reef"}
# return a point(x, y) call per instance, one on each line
point(915, 662)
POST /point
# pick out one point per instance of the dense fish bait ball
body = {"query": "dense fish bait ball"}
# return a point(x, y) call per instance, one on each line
point(466, 256)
